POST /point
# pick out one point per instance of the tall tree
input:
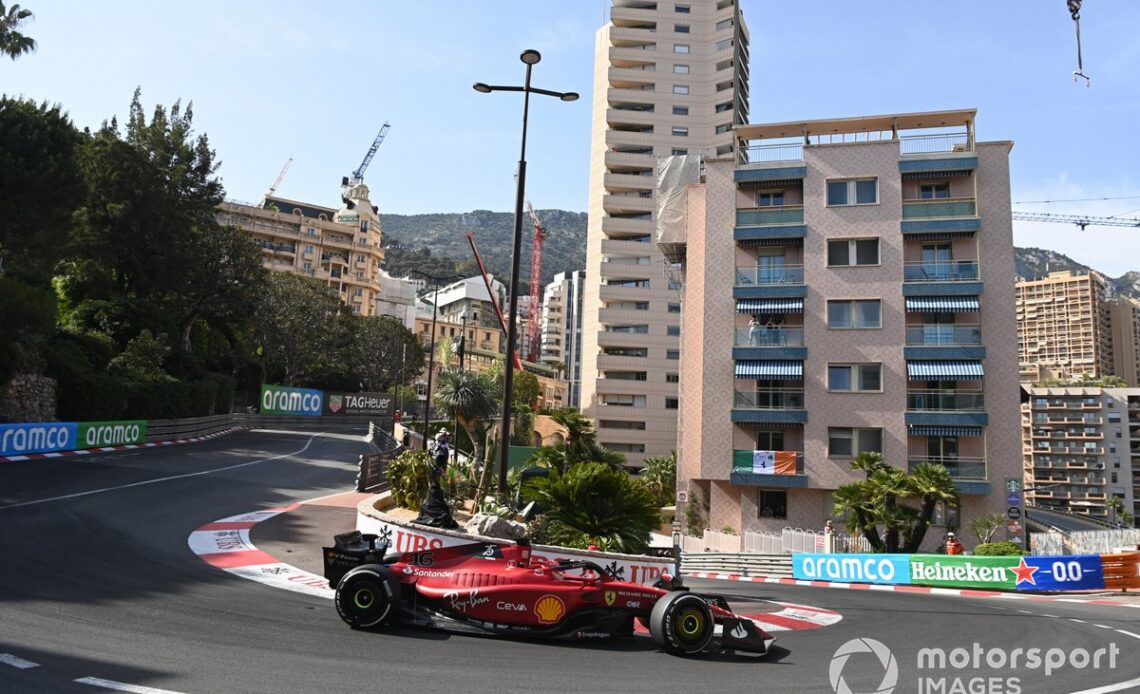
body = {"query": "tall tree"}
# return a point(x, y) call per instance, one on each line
point(42, 187)
point(471, 398)
point(384, 353)
point(295, 326)
point(13, 43)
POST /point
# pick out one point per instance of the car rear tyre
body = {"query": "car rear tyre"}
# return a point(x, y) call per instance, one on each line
point(367, 596)
point(681, 623)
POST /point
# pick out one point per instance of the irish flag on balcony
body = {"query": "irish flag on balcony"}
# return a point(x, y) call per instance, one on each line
point(765, 462)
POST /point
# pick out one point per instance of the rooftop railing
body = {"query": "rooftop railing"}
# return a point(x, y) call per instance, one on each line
point(933, 144)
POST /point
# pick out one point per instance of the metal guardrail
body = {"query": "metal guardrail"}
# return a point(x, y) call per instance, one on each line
point(739, 564)
point(194, 427)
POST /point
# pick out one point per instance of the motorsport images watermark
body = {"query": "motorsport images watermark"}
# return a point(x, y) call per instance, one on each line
point(932, 665)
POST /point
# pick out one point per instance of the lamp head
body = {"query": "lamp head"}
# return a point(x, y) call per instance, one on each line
point(530, 56)
point(569, 96)
point(480, 87)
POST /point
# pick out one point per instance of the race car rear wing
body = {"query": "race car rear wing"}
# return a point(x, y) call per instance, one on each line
point(349, 551)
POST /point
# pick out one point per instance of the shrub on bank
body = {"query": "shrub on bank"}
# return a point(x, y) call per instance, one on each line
point(1005, 548)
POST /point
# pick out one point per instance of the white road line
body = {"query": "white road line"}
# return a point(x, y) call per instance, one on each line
point(1078, 621)
point(162, 479)
point(1128, 633)
point(122, 687)
point(1111, 687)
point(1025, 611)
point(1104, 626)
point(1050, 616)
point(9, 659)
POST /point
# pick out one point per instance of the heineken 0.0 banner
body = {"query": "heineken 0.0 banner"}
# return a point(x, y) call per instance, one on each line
point(987, 573)
point(295, 401)
point(374, 404)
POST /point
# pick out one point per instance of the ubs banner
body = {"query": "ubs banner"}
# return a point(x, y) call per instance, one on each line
point(48, 437)
point(373, 404)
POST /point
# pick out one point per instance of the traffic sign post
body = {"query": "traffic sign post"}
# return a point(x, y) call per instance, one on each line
point(1015, 511)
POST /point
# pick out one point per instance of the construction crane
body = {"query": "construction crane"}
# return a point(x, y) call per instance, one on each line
point(358, 175)
point(1079, 219)
point(535, 283)
point(280, 177)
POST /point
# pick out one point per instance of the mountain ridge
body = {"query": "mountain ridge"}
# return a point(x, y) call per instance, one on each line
point(436, 243)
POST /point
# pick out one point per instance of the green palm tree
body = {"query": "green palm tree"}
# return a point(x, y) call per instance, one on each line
point(1116, 505)
point(659, 474)
point(853, 502)
point(472, 399)
point(931, 483)
point(888, 486)
point(593, 503)
point(12, 42)
point(868, 462)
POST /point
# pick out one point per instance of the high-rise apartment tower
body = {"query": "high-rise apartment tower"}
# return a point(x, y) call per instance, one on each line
point(670, 78)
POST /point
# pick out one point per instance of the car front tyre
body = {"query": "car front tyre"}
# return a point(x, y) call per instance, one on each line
point(681, 624)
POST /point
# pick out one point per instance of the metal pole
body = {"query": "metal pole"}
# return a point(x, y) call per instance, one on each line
point(512, 323)
point(431, 365)
point(462, 357)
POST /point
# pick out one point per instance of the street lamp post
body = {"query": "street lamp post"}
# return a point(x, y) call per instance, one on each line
point(431, 350)
point(530, 58)
point(462, 356)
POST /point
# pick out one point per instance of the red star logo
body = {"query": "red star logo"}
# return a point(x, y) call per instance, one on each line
point(1025, 573)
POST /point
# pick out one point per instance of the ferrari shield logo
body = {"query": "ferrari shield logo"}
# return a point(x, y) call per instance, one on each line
point(335, 403)
point(611, 596)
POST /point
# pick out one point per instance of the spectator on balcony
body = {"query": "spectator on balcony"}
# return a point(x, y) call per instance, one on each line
point(754, 331)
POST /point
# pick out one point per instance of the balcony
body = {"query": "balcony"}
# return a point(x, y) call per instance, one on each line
point(627, 203)
point(939, 208)
point(616, 161)
point(769, 406)
point(944, 152)
point(944, 341)
point(628, 116)
point(768, 281)
point(627, 182)
point(769, 343)
point(768, 276)
point(769, 216)
point(770, 161)
point(945, 401)
point(743, 472)
point(969, 474)
point(941, 271)
point(946, 408)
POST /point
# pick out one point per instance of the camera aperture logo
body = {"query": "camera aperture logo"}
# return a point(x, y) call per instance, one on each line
point(856, 647)
point(967, 670)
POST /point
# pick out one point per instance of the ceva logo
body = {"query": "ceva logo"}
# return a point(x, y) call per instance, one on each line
point(295, 401)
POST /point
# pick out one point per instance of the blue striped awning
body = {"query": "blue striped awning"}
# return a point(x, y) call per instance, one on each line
point(769, 305)
point(919, 430)
point(941, 304)
point(770, 370)
point(945, 370)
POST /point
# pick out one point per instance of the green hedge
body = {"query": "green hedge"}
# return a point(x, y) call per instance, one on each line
point(1005, 548)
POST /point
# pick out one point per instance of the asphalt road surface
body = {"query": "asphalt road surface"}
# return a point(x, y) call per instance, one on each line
point(99, 591)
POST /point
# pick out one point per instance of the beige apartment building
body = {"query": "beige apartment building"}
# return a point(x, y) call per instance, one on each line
point(670, 78)
point(339, 247)
point(562, 331)
point(1063, 327)
point(1082, 448)
point(846, 289)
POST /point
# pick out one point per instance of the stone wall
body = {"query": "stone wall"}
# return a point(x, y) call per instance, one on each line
point(28, 398)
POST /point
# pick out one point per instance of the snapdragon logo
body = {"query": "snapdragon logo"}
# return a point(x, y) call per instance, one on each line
point(862, 646)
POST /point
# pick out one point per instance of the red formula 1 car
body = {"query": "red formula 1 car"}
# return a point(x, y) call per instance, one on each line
point(502, 590)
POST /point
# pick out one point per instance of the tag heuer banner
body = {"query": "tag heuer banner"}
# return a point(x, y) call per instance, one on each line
point(374, 404)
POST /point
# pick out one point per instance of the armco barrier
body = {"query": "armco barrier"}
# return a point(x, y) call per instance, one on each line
point(1121, 571)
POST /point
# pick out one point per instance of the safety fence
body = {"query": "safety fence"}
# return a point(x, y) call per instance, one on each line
point(785, 542)
point(1085, 541)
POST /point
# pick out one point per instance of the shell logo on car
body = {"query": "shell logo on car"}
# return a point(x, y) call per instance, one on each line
point(549, 609)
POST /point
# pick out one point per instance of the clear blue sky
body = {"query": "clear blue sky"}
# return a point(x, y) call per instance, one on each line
point(270, 79)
